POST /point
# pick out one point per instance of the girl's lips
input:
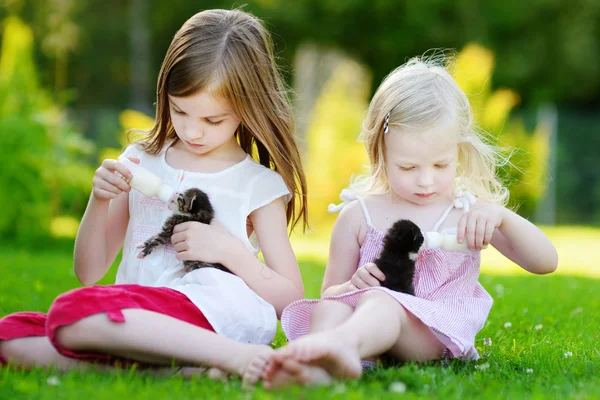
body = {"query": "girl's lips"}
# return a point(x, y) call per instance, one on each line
point(424, 195)
point(194, 145)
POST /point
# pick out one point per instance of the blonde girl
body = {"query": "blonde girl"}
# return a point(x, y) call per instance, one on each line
point(428, 164)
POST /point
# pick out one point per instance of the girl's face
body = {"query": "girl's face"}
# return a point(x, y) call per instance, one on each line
point(421, 166)
point(204, 123)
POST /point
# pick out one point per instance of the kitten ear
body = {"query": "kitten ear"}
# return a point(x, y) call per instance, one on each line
point(192, 201)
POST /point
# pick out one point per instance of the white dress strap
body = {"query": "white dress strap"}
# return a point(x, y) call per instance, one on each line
point(462, 201)
point(347, 196)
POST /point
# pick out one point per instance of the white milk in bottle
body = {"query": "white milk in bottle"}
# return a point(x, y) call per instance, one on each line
point(146, 182)
point(445, 241)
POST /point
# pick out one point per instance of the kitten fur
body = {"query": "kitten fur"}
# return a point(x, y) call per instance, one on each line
point(397, 260)
point(192, 205)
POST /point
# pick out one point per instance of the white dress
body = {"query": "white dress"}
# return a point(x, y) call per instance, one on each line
point(232, 308)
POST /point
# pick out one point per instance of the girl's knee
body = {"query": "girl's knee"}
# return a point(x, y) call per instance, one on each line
point(8, 349)
point(329, 310)
point(325, 308)
point(17, 351)
point(379, 296)
point(69, 336)
point(327, 305)
point(79, 335)
point(68, 326)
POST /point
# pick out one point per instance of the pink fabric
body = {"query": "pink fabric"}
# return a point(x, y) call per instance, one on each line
point(78, 304)
point(448, 297)
point(23, 324)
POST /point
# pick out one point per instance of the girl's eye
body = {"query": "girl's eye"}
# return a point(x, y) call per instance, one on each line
point(178, 112)
point(214, 123)
point(441, 166)
point(406, 168)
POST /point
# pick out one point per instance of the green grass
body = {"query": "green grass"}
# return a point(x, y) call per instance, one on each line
point(551, 350)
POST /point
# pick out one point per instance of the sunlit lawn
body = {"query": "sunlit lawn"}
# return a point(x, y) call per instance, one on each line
point(544, 331)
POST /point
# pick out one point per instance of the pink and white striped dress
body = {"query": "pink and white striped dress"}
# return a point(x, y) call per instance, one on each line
point(448, 297)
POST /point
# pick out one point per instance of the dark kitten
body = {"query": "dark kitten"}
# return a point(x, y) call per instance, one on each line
point(397, 260)
point(192, 205)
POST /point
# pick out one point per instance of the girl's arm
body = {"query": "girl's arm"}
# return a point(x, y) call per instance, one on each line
point(279, 281)
point(525, 244)
point(514, 236)
point(341, 274)
point(104, 223)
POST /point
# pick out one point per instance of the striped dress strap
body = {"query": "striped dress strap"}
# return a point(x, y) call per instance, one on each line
point(442, 218)
point(462, 201)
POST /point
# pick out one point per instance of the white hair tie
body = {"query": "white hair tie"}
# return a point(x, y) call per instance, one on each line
point(346, 196)
point(463, 200)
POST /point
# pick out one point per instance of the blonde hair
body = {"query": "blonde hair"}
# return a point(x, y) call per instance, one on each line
point(421, 95)
point(230, 54)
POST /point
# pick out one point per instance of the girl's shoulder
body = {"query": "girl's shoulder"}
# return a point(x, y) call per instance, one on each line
point(256, 168)
point(376, 199)
point(258, 174)
point(352, 219)
point(264, 184)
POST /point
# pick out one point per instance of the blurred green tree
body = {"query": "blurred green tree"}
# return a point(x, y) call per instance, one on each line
point(527, 170)
point(43, 174)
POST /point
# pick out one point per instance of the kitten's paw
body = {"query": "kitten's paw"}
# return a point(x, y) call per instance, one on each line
point(144, 250)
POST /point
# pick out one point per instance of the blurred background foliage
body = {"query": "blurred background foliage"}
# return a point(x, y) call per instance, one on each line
point(76, 74)
point(44, 173)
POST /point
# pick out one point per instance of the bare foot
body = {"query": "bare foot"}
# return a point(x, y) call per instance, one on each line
point(335, 355)
point(291, 372)
point(253, 364)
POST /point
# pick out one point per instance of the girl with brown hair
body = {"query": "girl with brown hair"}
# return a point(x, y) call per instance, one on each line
point(224, 125)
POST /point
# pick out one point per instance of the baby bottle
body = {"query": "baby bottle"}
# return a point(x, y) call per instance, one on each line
point(444, 241)
point(146, 182)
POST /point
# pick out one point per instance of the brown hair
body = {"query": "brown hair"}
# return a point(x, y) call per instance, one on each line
point(230, 54)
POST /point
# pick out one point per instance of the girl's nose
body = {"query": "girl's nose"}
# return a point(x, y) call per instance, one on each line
point(194, 132)
point(425, 179)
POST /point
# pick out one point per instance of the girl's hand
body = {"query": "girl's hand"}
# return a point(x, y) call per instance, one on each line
point(111, 179)
point(202, 242)
point(368, 275)
point(478, 225)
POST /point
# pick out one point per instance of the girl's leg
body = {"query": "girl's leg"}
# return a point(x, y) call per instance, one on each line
point(95, 313)
point(416, 342)
point(326, 315)
point(23, 342)
point(379, 324)
point(151, 337)
point(37, 351)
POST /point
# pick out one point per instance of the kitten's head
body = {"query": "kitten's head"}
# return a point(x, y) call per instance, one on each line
point(193, 202)
point(405, 237)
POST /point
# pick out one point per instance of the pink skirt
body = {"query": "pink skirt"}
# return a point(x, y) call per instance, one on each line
point(78, 304)
point(453, 321)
